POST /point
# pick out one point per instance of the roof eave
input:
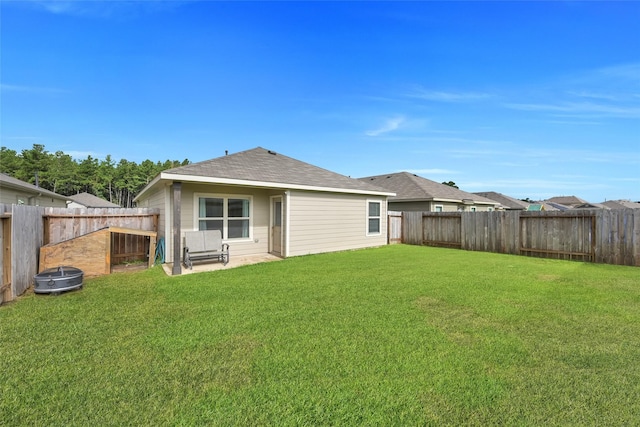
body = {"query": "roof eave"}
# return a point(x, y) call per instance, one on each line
point(37, 191)
point(259, 184)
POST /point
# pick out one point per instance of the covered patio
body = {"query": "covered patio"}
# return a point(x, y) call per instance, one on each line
point(234, 262)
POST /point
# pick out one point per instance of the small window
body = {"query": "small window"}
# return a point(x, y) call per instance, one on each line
point(373, 218)
point(473, 208)
point(438, 208)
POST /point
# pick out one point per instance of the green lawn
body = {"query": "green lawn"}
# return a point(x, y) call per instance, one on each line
point(399, 335)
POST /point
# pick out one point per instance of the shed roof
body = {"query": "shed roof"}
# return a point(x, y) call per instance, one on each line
point(411, 187)
point(260, 167)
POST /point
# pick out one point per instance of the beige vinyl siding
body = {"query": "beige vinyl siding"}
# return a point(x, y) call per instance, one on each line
point(159, 199)
point(259, 240)
point(10, 196)
point(327, 222)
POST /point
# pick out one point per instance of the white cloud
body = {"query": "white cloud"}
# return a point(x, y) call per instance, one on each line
point(389, 126)
point(441, 96)
point(81, 155)
point(629, 72)
point(104, 8)
point(29, 89)
point(581, 109)
point(536, 184)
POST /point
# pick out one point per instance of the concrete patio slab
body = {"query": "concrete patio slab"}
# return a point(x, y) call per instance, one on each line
point(215, 265)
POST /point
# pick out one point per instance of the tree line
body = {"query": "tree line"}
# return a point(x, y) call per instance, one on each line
point(58, 172)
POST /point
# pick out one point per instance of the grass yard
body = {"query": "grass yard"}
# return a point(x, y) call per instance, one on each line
point(394, 336)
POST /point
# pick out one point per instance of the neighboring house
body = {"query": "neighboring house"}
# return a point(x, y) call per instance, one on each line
point(507, 203)
point(86, 200)
point(265, 202)
point(547, 207)
point(414, 193)
point(621, 204)
point(536, 207)
point(568, 201)
point(589, 205)
point(16, 192)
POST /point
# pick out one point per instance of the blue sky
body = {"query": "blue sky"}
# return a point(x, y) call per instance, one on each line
point(531, 99)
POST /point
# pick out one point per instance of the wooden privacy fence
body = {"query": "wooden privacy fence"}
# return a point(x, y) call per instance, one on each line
point(602, 236)
point(25, 229)
point(62, 224)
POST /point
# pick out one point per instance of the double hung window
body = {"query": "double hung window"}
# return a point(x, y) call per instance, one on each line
point(373, 218)
point(231, 215)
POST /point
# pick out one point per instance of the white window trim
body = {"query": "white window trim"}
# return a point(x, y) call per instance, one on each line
point(379, 202)
point(225, 197)
point(435, 208)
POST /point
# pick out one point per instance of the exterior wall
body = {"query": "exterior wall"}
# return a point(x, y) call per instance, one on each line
point(429, 206)
point(258, 241)
point(11, 196)
point(160, 200)
point(328, 222)
point(313, 222)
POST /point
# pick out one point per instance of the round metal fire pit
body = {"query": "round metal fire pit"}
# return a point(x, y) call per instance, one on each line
point(56, 280)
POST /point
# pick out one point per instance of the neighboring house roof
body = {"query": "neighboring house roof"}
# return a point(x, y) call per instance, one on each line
point(590, 205)
point(90, 201)
point(259, 167)
point(506, 201)
point(535, 207)
point(621, 204)
point(569, 201)
point(411, 187)
point(552, 206)
point(547, 207)
point(16, 184)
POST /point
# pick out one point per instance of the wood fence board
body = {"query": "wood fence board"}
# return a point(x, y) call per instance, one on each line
point(605, 236)
point(32, 227)
point(635, 233)
point(26, 235)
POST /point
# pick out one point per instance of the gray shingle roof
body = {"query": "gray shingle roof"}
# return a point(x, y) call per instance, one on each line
point(621, 204)
point(259, 165)
point(567, 200)
point(91, 201)
point(504, 200)
point(411, 187)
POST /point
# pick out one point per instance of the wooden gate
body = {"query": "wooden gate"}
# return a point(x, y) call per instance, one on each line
point(394, 228)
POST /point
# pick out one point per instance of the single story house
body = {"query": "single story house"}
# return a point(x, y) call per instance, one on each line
point(16, 192)
point(265, 202)
point(88, 200)
point(414, 193)
point(589, 205)
point(507, 203)
point(567, 201)
point(621, 204)
point(544, 206)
